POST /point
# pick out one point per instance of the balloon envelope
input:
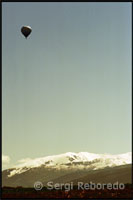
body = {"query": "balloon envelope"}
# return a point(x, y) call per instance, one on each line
point(26, 30)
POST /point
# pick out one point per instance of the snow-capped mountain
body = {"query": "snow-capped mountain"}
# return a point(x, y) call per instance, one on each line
point(69, 167)
point(72, 160)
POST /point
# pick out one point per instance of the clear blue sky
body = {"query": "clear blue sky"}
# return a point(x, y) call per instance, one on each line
point(68, 86)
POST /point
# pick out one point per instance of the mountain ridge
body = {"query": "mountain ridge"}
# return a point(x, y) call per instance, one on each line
point(70, 166)
point(73, 160)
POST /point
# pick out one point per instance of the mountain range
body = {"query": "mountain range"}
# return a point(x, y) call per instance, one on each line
point(70, 167)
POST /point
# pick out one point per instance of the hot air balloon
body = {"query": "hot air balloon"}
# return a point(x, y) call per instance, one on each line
point(26, 30)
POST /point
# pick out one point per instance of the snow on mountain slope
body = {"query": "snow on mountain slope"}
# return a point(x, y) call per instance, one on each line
point(71, 160)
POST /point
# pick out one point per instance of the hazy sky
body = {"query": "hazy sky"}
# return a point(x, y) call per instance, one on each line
point(67, 88)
